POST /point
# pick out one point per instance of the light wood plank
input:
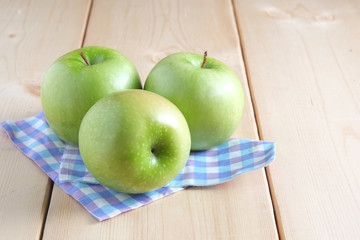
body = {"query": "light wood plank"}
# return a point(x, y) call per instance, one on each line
point(147, 31)
point(303, 61)
point(32, 35)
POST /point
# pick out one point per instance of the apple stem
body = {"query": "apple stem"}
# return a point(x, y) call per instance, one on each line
point(203, 63)
point(85, 59)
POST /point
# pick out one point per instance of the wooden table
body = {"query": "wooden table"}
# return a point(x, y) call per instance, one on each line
point(299, 62)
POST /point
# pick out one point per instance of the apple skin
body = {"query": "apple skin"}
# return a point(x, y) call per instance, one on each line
point(134, 141)
point(211, 98)
point(70, 87)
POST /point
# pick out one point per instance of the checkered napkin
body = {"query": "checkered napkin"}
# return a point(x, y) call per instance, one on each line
point(63, 164)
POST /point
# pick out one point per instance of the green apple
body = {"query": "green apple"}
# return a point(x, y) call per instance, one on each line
point(134, 141)
point(207, 92)
point(78, 79)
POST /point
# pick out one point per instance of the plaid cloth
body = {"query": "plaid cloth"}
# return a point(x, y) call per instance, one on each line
point(63, 164)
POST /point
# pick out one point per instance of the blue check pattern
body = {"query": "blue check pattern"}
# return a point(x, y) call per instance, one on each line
point(63, 164)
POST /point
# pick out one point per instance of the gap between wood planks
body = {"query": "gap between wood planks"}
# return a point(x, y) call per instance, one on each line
point(258, 126)
point(48, 201)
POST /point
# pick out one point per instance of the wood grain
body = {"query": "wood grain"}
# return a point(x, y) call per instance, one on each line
point(303, 63)
point(32, 35)
point(147, 31)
